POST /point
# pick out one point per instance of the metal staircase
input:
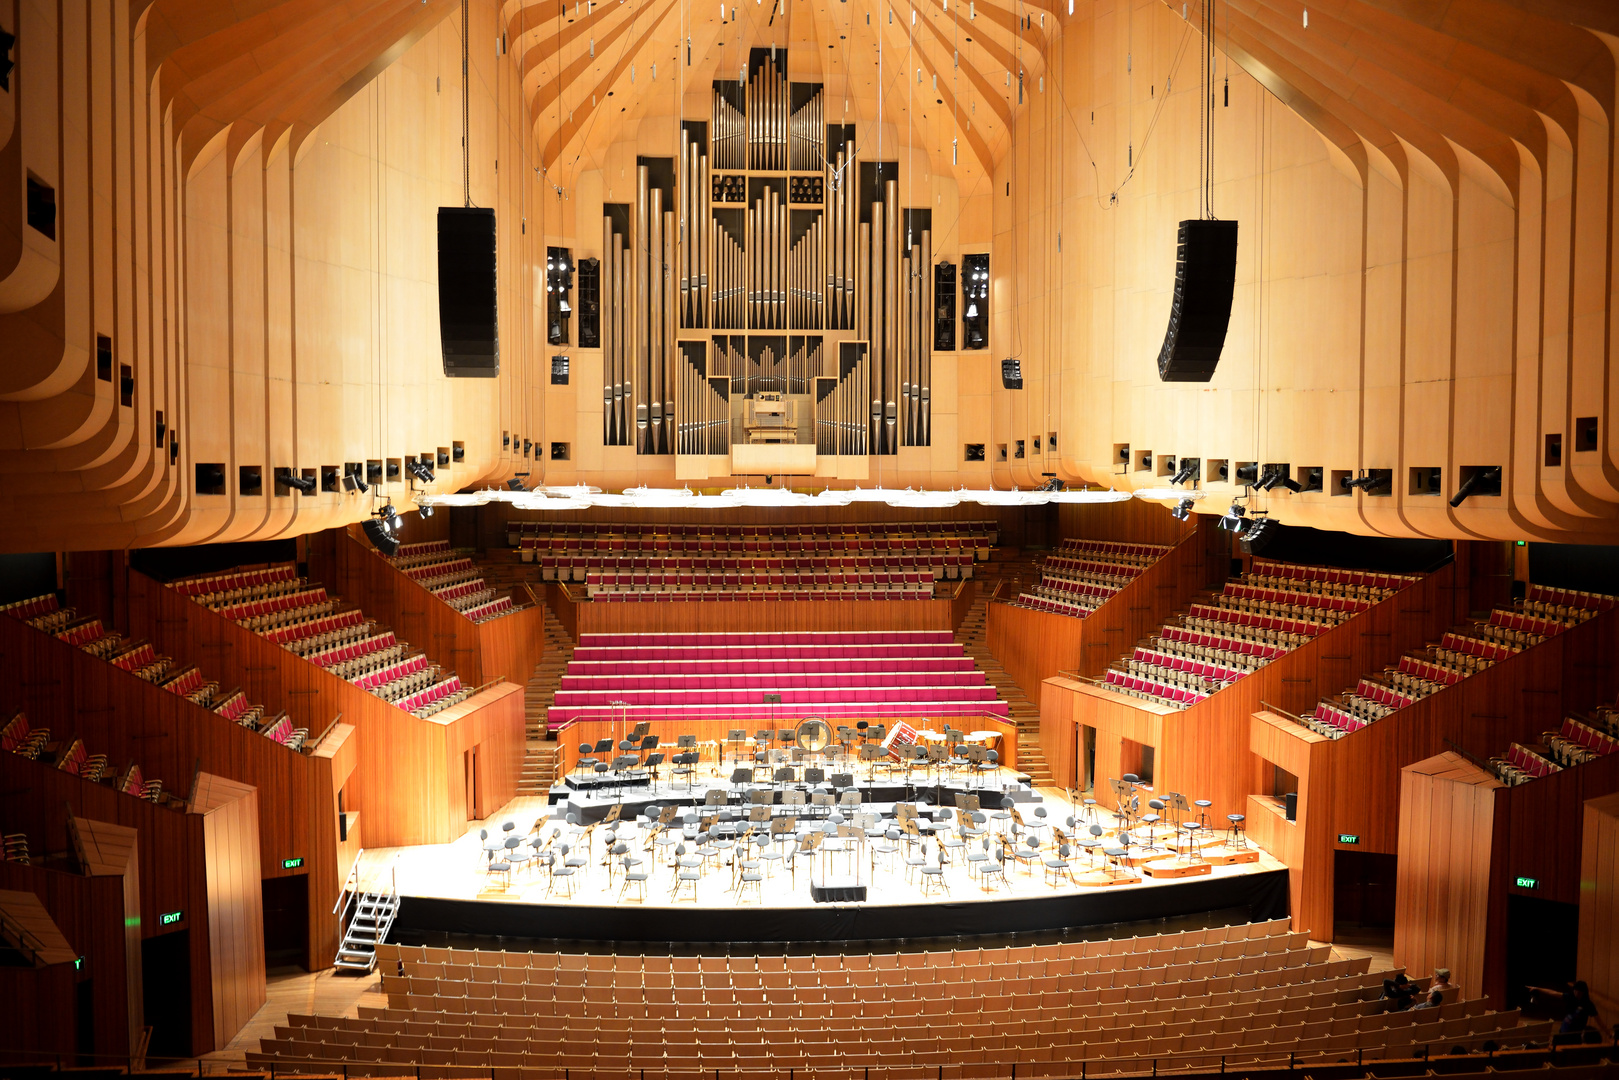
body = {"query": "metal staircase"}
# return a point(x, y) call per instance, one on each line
point(368, 913)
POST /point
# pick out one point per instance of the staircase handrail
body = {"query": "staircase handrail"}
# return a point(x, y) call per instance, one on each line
point(346, 890)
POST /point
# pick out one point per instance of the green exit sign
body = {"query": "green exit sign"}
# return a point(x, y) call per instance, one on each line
point(1348, 838)
point(78, 963)
point(292, 864)
point(169, 918)
point(1528, 883)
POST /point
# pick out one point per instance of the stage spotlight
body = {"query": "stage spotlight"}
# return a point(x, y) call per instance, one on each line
point(1489, 480)
point(1248, 475)
point(1187, 471)
point(305, 484)
point(516, 484)
point(1234, 520)
point(420, 471)
point(425, 509)
point(1183, 509)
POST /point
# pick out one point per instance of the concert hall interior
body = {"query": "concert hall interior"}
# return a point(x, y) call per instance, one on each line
point(809, 539)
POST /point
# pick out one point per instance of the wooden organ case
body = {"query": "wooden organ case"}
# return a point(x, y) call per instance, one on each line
point(766, 302)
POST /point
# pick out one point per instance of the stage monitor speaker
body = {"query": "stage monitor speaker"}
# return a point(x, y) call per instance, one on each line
point(466, 292)
point(1012, 373)
point(1291, 799)
point(1205, 275)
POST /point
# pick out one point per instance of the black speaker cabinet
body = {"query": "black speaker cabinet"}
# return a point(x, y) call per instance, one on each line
point(1012, 373)
point(1205, 274)
point(466, 292)
point(1291, 800)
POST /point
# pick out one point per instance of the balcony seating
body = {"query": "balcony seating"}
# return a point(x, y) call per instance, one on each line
point(1083, 574)
point(1575, 742)
point(16, 737)
point(624, 562)
point(140, 659)
point(854, 674)
point(1461, 652)
point(1253, 620)
point(343, 642)
point(455, 579)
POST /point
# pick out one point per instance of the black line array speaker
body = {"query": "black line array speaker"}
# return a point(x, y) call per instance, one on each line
point(1205, 275)
point(1291, 803)
point(1012, 373)
point(466, 292)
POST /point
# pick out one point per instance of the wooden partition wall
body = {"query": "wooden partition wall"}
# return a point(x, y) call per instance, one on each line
point(1306, 843)
point(717, 754)
point(230, 836)
point(1203, 751)
point(1598, 961)
point(504, 648)
point(1035, 645)
point(758, 616)
point(1449, 816)
point(131, 720)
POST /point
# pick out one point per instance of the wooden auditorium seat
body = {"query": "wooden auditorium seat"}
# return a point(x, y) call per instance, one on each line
point(1242, 996)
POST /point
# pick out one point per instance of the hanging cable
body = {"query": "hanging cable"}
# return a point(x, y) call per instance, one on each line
point(466, 115)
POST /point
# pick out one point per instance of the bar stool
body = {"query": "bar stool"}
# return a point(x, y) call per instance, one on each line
point(1203, 811)
point(1238, 837)
point(1150, 820)
point(1189, 848)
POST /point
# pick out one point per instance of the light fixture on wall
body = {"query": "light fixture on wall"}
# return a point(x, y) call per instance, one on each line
point(420, 471)
point(1234, 520)
point(1183, 509)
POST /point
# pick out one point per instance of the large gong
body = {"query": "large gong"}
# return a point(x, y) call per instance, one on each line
point(813, 735)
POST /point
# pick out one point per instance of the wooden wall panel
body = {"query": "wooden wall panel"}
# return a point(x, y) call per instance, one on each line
point(130, 720)
point(230, 818)
point(504, 648)
point(408, 778)
point(1598, 961)
point(1304, 844)
point(1447, 825)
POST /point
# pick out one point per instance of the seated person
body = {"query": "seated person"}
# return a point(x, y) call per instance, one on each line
point(1435, 999)
point(1398, 993)
point(1441, 980)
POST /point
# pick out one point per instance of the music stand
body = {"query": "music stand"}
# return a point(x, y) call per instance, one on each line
point(640, 731)
point(652, 763)
point(736, 737)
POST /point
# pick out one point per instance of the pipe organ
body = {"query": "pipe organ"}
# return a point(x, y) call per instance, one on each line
point(767, 289)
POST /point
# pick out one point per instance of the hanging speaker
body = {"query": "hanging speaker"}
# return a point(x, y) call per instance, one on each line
point(1205, 275)
point(1012, 373)
point(380, 536)
point(466, 292)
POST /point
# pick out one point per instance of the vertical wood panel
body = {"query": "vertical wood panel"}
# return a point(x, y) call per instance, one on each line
point(1598, 960)
point(1443, 893)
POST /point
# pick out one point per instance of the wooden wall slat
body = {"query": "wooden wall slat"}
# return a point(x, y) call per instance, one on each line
point(1598, 955)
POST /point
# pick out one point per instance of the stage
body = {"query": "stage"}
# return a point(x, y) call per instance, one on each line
point(445, 889)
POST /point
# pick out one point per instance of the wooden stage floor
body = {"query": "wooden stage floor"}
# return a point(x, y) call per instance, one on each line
point(446, 888)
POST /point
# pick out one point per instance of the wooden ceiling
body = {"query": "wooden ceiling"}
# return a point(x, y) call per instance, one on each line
point(939, 73)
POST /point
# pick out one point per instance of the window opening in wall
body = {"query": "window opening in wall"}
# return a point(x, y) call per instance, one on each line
point(250, 480)
point(210, 478)
point(559, 451)
point(126, 385)
point(1000, 449)
point(104, 358)
point(1585, 434)
point(1018, 451)
point(41, 206)
point(458, 452)
point(974, 452)
point(1554, 450)
point(329, 478)
point(1425, 480)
